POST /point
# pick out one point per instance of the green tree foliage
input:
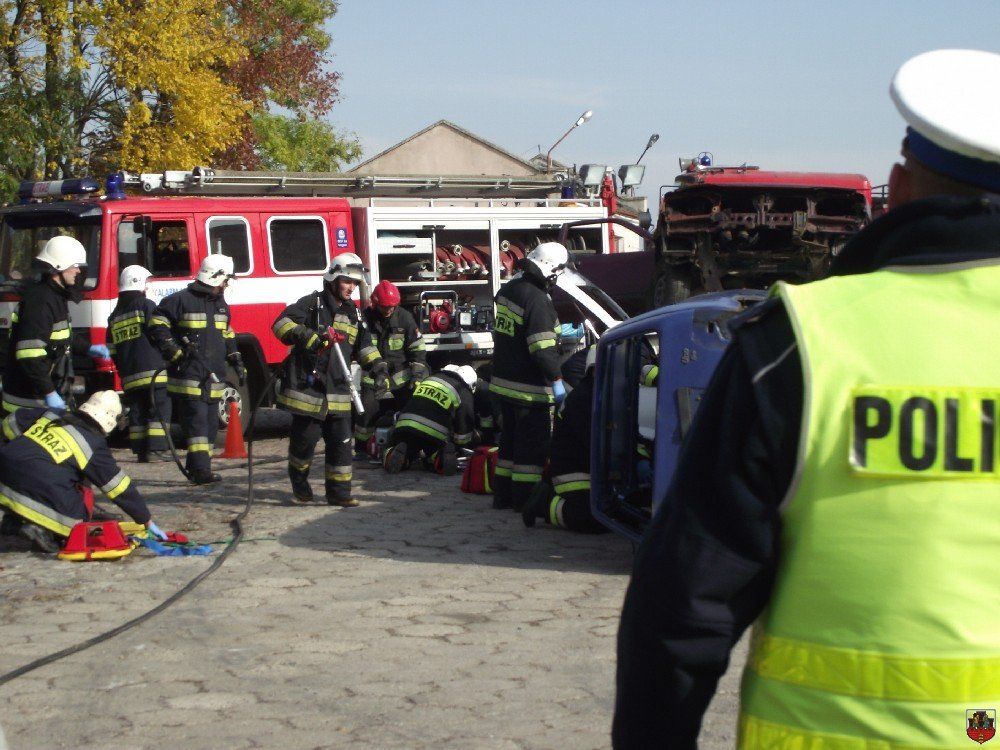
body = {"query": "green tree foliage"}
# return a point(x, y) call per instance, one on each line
point(301, 145)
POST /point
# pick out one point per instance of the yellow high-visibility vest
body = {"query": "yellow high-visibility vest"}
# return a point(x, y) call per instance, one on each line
point(883, 630)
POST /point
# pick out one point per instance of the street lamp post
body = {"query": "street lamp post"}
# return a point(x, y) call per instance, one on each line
point(652, 139)
point(579, 121)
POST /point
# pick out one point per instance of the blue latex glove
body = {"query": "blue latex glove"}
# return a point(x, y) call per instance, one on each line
point(571, 331)
point(644, 472)
point(99, 350)
point(156, 531)
point(54, 401)
point(559, 391)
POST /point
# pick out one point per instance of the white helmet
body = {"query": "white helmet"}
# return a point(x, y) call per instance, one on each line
point(133, 279)
point(346, 265)
point(465, 372)
point(550, 258)
point(63, 252)
point(216, 269)
point(104, 407)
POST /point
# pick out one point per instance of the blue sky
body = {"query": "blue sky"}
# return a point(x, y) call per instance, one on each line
point(784, 85)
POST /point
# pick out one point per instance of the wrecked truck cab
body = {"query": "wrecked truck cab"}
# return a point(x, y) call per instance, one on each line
point(634, 416)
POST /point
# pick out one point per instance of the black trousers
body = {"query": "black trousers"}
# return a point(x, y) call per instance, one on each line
point(336, 434)
point(571, 510)
point(525, 432)
point(199, 418)
point(375, 408)
point(145, 430)
point(417, 443)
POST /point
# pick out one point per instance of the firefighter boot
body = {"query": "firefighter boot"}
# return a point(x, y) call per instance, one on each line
point(446, 461)
point(537, 505)
point(205, 476)
point(43, 539)
point(301, 491)
point(395, 458)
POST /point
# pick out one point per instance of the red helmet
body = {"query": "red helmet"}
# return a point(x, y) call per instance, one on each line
point(385, 294)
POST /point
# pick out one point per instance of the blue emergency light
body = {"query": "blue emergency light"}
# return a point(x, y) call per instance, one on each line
point(114, 187)
point(57, 188)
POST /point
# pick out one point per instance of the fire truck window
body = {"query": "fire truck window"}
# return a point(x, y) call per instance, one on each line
point(298, 245)
point(166, 251)
point(231, 237)
point(23, 237)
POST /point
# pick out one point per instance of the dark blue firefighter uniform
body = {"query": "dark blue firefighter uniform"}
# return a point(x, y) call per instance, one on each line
point(45, 457)
point(137, 361)
point(201, 317)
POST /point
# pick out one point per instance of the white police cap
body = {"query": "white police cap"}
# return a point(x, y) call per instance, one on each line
point(950, 98)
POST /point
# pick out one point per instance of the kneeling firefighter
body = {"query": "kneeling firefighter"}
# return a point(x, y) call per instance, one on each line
point(526, 377)
point(191, 329)
point(46, 458)
point(138, 362)
point(39, 369)
point(394, 332)
point(314, 386)
point(563, 499)
point(439, 416)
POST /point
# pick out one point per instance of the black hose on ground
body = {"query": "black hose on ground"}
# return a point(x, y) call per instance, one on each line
point(237, 526)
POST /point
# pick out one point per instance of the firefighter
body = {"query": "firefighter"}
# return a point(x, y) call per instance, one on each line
point(46, 457)
point(438, 417)
point(40, 372)
point(526, 379)
point(394, 332)
point(138, 361)
point(312, 385)
point(825, 487)
point(563, 499)
point(191, 328)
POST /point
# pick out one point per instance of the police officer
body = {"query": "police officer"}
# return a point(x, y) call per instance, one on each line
point(138, 362)
point(47, 455)
point(563, 499)
point(438, 417)
point(827, 483)
point(394, 332)
point(526, 379)
point(313, 386)
point(39, 369)
point(191, 329)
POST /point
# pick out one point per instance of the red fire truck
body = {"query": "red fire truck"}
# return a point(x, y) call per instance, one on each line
point(448, 243)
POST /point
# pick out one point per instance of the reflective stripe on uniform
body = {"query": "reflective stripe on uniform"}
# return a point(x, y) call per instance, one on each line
point(159, 320)
point(556, 511)
point(574, 482)
point(30, 349)
point(541, 341)
point(462, 438)
point(504, 467)
point(417, 346)
point(299, 401)
point(12, 403)
point(338, 473)
point(116, 485)
point(522, 391)
point(193, 320)
point(525, 472)
point(515, 310)
point(368, 354)
point(10, 428)
point(36, 512)
point(338, 401)
point(422, 424)
point(198, 445)
point(283, 326)
point(140, 379)
point(299, 464)
point(60, 331)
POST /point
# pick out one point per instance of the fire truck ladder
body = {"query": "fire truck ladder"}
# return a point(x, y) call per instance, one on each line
point(218, 182)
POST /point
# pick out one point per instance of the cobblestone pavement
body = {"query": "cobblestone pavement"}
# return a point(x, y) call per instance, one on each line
point(421, 619)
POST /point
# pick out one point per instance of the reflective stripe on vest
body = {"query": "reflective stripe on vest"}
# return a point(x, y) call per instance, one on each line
point(883, 627)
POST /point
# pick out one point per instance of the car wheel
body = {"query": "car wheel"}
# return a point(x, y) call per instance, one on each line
point(232, 391)
point(671, 284)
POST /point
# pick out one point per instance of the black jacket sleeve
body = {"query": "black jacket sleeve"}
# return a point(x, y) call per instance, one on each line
point(103, 472)
point(229, 335)
point(34, 329)
point(415, 349)
point(159, 329)
point(464, 422)
point(705, 568)
point(292, 326)
point(540, 323)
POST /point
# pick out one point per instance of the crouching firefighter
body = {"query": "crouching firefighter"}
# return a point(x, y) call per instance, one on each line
point(314, 386)
point(191, 329)
point(45, 459)
point(394, 332)
point(526, 377)
point(438, 417)
point(563, 498)
point(138, 362)
point(39, 369)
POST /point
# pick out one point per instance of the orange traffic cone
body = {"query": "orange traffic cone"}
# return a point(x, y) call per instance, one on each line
point(234, 435)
